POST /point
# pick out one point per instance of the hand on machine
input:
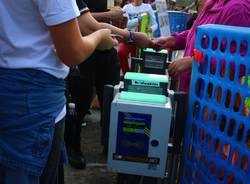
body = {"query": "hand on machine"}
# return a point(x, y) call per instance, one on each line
point(119, 38)
point(107, 41)
point(163, 43)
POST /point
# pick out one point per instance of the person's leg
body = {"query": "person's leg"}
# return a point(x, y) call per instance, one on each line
point(60, 178)
point(50, 172)
point(72, 127)
point(83, 95)
point(132, 50)
point(107, 72)
point(81, 91)
point(123, 53)
point(83, 99)
point(70, 119)
point(85, 86)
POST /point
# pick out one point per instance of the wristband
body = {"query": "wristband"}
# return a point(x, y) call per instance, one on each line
point(131, 37)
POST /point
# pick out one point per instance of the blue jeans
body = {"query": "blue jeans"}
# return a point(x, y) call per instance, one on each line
point(30, 101)
point(13, 176)
point(50, 172)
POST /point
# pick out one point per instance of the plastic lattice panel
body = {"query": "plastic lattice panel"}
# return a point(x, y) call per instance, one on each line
point(217, 135)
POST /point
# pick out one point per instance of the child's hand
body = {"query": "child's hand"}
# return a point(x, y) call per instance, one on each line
point(107, 41)
point(142, 41)
point(178, 66)
point(163, 42)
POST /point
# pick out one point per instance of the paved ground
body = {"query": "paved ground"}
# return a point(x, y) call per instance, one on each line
point(95, 172)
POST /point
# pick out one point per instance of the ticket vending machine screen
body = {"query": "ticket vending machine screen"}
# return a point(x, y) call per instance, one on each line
point(155, 61)
point(133, 136)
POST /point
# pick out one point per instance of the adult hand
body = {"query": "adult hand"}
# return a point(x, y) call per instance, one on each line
point(107, 41)
point(116, 15)
point(164, 42)
point(178, 66)
point(142, 41)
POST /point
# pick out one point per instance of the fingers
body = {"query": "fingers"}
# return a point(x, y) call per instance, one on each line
point(119, 38)
point(174, 70)
point(176, 74)
point(157, 47)
point(115, 42)
point(142, 41)
point(159, 44)
point(179, 66)
point(105, 31)
point(107, 40)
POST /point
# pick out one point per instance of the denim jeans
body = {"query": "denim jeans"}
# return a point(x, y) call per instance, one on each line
point(13, 176)
point(30, 101)
point(50, 172)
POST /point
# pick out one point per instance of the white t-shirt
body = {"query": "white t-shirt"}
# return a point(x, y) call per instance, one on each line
point(132, 13)
point(24, 37)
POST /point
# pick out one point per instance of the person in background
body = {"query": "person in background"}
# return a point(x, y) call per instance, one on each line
point(38, 44)
point(223, 12)
point(196, 5)
point(93, 73)
point(133, 12)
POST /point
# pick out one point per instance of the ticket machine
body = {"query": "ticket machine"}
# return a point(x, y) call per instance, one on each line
point(152, 62)
point(139, 126)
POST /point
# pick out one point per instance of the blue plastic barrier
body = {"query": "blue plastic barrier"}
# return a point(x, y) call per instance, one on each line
point(177, 21)
point(217, 135)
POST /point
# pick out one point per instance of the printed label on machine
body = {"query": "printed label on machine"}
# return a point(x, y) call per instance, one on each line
point(149, 160)
point(133, 136)
point(145, 83)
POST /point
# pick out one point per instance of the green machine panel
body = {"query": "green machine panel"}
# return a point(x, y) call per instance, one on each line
point(146, 83)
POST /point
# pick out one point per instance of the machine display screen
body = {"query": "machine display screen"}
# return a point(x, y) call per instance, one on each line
point(133, 134)
point(145, 89)
point(155, 61)
point(133, 126)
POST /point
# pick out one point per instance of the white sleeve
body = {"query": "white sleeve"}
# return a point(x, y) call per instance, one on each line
point(57, 11)
point(132, 23)
point(125, 10)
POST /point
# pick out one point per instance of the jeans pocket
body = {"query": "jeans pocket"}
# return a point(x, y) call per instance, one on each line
point(43, 141)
